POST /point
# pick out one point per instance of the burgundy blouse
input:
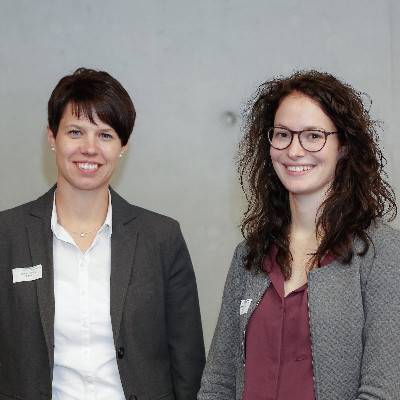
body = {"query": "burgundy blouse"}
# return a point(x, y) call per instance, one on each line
point(278, 346)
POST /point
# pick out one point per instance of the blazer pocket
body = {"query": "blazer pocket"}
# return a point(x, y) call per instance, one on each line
point(4, 396)
point(6, 390)
point(165, 396)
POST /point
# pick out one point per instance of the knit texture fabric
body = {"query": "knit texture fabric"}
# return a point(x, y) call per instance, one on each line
point(354, 321)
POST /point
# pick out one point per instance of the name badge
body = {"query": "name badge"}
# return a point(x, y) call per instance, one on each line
point(244, 306)
point(27, 274)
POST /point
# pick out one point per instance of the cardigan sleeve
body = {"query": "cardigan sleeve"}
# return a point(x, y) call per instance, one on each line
point(380, 368)
point(219, 377)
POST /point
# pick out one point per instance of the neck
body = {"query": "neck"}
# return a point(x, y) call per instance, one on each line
point(304, 213)
point(81, 210)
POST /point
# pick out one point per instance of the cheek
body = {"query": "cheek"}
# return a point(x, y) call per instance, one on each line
point(64, 149)
point(275, 157)
point(274, 154)
point(112, 155)
point(331, 158)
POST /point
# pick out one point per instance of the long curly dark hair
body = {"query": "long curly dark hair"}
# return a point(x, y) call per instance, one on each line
point(358, 195)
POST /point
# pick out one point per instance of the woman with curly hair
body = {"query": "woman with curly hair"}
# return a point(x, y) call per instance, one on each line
point(311, 305)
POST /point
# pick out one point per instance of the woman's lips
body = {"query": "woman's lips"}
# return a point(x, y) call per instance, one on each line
point(298, 169)
point(87, 167)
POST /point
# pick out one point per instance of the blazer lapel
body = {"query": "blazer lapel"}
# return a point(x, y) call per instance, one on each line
point(41, 247)
point(123, 245)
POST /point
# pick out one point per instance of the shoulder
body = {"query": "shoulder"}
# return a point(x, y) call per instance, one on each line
point(241, 250)
point(10, 215)
point(385, 240)
point(237, 271)
point(381, 263)
point(150, 222)
point(14, 221)
point(153, 221)
point(15, 218)
point(152, 218)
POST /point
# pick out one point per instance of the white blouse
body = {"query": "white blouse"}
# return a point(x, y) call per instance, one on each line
point(85, 366)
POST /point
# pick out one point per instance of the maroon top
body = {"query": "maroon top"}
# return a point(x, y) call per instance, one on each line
point(278, 346)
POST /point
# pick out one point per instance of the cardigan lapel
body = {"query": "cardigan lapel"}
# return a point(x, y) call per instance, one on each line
point(256, 285)
point(41, 248)
point(123, 245)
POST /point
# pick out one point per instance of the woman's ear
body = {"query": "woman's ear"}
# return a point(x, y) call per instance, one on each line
point(51, 139)
point(123, 150)
point(343, 151)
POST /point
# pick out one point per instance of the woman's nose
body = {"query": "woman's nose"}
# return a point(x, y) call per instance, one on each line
point(88, 145)
point(295, 149)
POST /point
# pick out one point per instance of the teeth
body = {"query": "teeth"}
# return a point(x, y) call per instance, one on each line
point(88, 166)
point(299, 168)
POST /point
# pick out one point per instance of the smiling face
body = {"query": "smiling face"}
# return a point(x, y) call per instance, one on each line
point(300, 171)
point(86, 152)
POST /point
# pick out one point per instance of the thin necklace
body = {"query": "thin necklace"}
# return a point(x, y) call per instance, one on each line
point(83, 234)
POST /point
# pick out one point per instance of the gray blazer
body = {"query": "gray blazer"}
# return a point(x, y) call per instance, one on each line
point(154, 305)
point(354, 320)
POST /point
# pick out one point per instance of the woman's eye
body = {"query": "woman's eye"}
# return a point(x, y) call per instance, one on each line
point(315, 136)
point(106, 136)
point(74, 133)
point(282, 134)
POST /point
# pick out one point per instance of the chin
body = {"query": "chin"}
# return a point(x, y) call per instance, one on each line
point(300, 190)
point(88, 184)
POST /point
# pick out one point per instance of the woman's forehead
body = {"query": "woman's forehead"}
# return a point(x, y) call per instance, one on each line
point(81, 113)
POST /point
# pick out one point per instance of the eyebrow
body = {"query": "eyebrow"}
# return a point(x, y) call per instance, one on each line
point(75, 126)
point(306, 128)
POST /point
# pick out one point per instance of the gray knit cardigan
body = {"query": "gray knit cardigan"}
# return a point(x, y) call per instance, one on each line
point(354, 315)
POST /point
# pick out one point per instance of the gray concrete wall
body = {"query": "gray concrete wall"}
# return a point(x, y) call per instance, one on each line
point(186, 64)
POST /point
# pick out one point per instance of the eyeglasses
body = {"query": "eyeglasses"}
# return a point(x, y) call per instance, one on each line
point(310, 139)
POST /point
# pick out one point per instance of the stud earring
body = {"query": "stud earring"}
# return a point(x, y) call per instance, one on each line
point(121, 154)
point(53, 148)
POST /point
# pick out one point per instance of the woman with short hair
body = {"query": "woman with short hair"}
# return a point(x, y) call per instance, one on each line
point(98, 297)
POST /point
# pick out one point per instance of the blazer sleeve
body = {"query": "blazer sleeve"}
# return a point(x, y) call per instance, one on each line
point(219, 377)
point(185, 335)
point(380, 369)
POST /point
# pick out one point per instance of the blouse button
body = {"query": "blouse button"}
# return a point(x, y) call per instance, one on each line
point(120, 352)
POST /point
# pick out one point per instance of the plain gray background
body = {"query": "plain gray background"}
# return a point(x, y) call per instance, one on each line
point(190, 67)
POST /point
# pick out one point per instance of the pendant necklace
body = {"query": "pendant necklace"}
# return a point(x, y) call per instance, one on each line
point(83, 234)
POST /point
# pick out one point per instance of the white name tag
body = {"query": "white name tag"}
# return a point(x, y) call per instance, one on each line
point(244, 306)
point(27, 274)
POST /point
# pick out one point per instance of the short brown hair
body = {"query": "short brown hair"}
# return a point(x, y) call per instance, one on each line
point(91, 91)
